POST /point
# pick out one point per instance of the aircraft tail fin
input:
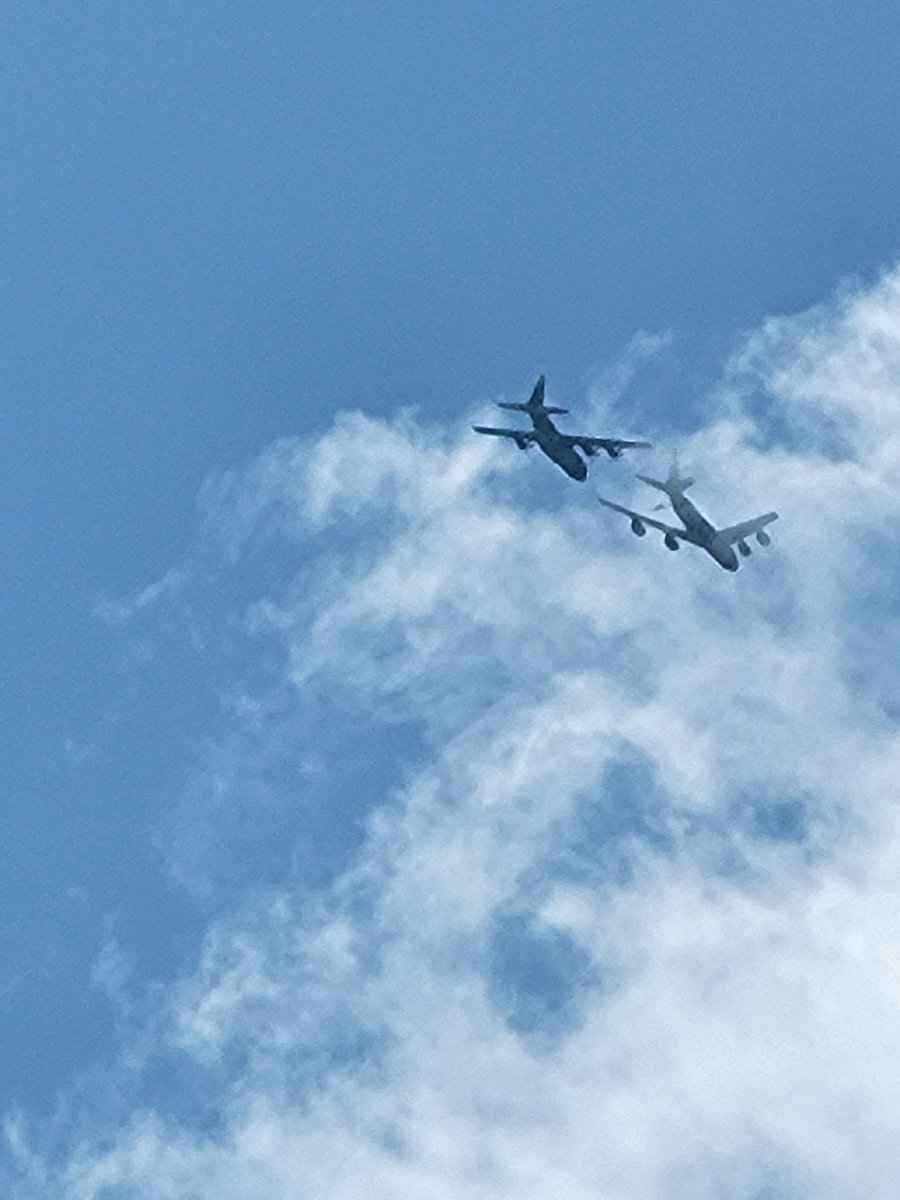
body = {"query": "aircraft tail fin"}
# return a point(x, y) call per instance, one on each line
point(535, 403)
point(675, 483)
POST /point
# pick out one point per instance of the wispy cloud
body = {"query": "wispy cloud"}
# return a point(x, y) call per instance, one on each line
point(666, 792)
point(125, 608)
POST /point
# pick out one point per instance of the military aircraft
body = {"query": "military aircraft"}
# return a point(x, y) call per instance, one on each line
point(561, 447)
point(719, 543)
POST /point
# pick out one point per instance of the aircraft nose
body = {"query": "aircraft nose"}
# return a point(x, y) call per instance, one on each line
point(579, 472)
point(724, 555)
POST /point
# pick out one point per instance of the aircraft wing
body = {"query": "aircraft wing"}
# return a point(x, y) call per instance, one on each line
point(612, 446)
point(681, 534)
point(737, 533)
point(524, 437)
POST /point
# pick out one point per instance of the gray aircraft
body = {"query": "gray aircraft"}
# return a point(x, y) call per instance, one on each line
point(561, 447)
point(719, 543)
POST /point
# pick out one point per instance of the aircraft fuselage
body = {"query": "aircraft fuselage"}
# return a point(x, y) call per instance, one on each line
point(702, 533)
point(548, 439)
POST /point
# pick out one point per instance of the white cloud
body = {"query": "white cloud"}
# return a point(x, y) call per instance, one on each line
point(738, 1029)
point(613, 380)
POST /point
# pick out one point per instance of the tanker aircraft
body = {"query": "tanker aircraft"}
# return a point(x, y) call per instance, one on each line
point(719, 543)
point(560, 447)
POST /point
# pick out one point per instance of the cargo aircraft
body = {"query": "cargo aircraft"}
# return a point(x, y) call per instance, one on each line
point(560, 447)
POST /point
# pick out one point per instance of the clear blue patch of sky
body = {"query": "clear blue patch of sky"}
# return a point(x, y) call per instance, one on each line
point(782, 1185)
point(870, 623)
point(618, 823)
point(538, 978)
point(226, 223)
point(620, 826)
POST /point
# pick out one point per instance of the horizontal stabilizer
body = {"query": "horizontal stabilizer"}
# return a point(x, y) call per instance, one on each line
point(675, 484)
point(663, 487)
point(535, 402)
point(529, 408)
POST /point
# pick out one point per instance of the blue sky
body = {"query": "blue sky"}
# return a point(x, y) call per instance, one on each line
point(231, 683)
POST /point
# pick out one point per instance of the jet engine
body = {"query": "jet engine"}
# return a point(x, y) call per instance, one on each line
point(744, 549)
point(762, 537)
point(672, 542)
point(638, 527)
point(523, 443)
